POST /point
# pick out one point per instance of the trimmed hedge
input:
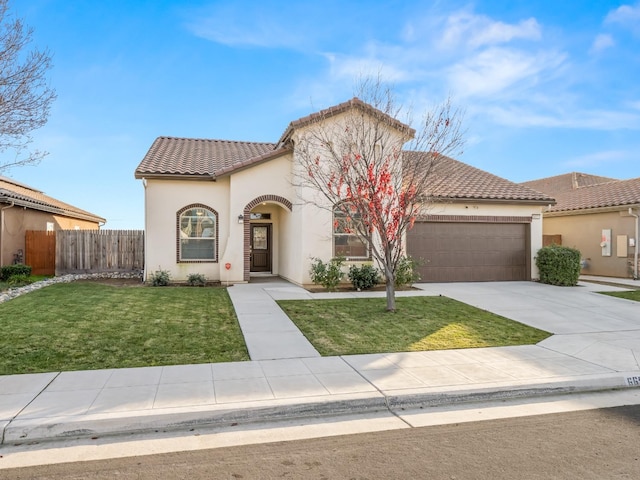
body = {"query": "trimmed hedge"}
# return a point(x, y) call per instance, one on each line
point(558, 265)
point(9, 271)
point(363, 277)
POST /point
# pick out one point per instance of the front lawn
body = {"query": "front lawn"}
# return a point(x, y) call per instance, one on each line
point(357, 326)
point(630, 295)
point(89, 325)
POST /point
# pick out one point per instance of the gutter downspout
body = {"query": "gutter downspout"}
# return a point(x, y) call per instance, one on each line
point(635, 255)
point(2, 229)
point(146, 229)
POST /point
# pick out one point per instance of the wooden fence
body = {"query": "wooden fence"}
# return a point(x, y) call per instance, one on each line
point(96, 251)
point(40, 252)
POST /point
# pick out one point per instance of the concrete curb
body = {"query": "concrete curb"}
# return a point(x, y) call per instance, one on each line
point(88, 426)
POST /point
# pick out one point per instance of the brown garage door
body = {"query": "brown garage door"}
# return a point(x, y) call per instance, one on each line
point(470, 252)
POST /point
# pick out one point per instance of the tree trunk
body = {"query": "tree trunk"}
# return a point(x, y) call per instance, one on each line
point(391, 296)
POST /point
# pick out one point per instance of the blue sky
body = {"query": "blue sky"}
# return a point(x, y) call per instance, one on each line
point(548, 87)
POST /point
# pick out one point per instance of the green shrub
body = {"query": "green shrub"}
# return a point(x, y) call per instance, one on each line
point(558, 265)
point(196, 280)
point(19, 280)
point(407, 272)
point(327, 274)
point(160, 278)
point(11, 270)
point(363, 277)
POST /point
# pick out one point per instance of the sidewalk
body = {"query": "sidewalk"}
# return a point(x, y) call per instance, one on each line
point(595, 346)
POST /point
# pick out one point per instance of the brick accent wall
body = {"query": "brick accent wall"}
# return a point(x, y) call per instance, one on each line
point(247, 226)
point(474, 219)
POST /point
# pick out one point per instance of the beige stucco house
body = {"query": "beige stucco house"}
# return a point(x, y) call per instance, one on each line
point(596, 215)
point(25, 208)
point(229, 210)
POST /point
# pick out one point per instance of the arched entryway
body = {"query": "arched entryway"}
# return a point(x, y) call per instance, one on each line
point(259, 233)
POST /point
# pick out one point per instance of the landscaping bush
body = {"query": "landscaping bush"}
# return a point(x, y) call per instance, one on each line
point(327, 274)
point(558, 265)
point(160, 278)
point(407, 272)
point(19, 280)
point(196, 280)
point(363, 277)
point(11, 270)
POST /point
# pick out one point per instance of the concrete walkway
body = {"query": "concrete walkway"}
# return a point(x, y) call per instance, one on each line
point(596, 345)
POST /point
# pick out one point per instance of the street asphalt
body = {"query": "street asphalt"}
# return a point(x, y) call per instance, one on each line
point(595, 346)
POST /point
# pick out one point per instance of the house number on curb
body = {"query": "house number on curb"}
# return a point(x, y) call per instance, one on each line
point(633, 381)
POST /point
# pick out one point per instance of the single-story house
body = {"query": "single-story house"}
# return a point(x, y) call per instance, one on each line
point(230, 210)
point(24, 208)
point(596, 215)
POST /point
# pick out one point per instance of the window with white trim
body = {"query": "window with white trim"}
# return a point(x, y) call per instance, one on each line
point(346, 242)
point(197, 231)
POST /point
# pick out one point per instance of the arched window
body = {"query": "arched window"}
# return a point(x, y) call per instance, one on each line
point(346, 242)
point(197, 234)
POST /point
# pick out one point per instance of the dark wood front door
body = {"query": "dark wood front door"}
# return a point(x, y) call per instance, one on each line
point(260, 247)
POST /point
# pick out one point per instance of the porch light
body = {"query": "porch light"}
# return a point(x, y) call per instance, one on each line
point(240, 218)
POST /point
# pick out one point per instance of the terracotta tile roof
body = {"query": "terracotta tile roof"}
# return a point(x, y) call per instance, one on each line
point(612, 194)
point(566, 182)
point(454, 180)
point(23, 195)
point(190, 157)
point(201, 157)
point(580, 191)
point(340, 108)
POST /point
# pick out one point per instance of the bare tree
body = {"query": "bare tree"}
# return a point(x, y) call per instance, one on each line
point(25, 96)
point(375, 173)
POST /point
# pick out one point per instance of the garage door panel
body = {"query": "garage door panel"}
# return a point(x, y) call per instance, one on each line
point(463, 252)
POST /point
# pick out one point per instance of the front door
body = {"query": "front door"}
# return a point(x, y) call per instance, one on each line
point(261, 247)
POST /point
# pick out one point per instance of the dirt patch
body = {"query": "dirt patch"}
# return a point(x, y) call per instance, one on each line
point(350, 289)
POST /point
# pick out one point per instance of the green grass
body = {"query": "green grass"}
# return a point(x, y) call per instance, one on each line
point(630, 295)
point(85, 325)
point(357, 326)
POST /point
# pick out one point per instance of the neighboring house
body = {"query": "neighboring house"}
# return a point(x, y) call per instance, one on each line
point(229, 210)
point(24, 208)
point(596, 215)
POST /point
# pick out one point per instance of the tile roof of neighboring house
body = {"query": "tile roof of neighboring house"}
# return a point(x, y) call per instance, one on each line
point(456, 180)
point(566, 182)
point(588, 191)
point(25, 196)
point(171, 156)
point(340, 108)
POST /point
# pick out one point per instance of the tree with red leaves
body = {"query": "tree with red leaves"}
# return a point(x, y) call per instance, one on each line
point(375, 172)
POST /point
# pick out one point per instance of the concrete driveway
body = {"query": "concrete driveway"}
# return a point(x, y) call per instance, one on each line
point(587, 325)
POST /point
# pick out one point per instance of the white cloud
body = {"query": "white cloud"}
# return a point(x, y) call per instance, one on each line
point(597, 158)
point(465, 28)
point(229, 26)
point(564, 116)
point(495, 70)
point(601, 43)
point(626, 15)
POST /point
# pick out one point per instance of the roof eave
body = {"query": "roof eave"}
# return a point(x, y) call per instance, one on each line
point(18, 202)
point(501, 201)
point(175, 176)
point(591, 210)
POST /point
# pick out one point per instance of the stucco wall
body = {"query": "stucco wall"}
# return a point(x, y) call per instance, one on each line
point(584, 232)
point(17, 220)
point(228, 196)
